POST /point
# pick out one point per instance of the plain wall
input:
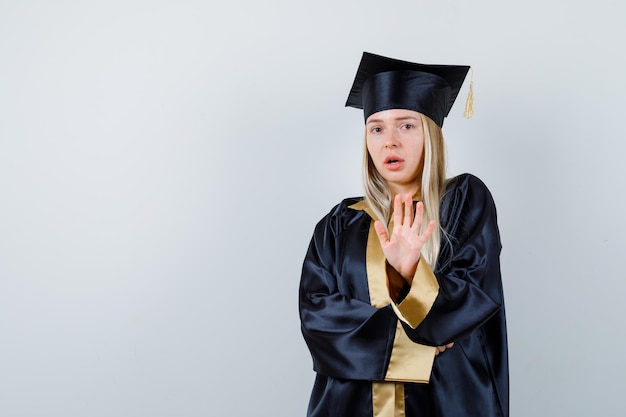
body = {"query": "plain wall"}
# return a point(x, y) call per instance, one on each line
point(163, 164)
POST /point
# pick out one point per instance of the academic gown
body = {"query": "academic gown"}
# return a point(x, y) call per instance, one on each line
point(375, 358)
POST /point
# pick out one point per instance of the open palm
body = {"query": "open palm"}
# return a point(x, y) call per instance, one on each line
point(403, 248)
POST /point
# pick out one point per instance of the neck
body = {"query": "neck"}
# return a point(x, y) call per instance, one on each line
point(412, 189)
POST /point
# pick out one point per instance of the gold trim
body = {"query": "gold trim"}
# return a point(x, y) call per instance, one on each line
point(388, 399)
point(376, 271)
point(383, 399)
point(424, 290)
point(363, 206)
point(409, 361)
point(400, 410)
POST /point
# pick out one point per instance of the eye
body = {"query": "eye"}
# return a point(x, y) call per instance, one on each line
point(376, 129)
point(407, 126)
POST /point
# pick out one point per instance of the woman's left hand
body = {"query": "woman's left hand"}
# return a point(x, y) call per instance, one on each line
point(403, 248)
point(441, 349)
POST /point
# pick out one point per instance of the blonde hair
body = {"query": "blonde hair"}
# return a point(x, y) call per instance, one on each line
point(378, 194)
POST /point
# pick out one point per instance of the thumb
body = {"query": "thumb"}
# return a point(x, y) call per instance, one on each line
point(381, 232)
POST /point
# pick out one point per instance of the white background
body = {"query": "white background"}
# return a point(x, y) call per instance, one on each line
point(163, 164)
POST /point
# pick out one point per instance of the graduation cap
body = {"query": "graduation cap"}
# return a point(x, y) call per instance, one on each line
point(383, 83)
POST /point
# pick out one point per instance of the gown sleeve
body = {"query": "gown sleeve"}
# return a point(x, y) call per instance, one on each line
point(468, 270)
point(347, 336)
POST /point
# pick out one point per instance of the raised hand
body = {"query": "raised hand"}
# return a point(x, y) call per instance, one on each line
point(402, 250)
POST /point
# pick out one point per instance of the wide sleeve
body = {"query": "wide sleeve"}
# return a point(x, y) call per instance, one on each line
point(347, 336)
point(468, 270)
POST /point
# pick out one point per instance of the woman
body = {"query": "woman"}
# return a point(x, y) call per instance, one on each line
point(401, 303)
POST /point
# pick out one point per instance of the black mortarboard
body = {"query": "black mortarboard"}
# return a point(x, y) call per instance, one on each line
point(383, 83)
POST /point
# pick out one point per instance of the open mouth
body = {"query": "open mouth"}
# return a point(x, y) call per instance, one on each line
point(393, 160)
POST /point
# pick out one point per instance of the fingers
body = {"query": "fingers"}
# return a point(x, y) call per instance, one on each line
point(381, 232)
point(408, 210)
point(403, 215)
point(429, 230)
point(419, 214)
point(441, 349)
point(397, 209)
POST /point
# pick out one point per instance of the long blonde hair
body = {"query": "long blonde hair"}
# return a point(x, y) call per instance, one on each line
point(378, 194)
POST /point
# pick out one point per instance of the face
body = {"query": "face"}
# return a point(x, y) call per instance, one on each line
point(395, 142)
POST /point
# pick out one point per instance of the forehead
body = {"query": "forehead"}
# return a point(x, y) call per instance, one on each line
point(393, 114)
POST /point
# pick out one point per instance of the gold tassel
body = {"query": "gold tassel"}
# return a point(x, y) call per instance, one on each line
point(468, 113)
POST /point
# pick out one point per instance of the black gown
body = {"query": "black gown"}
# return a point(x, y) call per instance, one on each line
point(374, 358)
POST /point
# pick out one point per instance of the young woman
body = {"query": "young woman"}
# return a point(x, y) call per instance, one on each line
point(401, 298)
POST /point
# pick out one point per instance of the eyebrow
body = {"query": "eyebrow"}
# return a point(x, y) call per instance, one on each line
point(397, 119)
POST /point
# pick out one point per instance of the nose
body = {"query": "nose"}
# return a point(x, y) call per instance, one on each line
point(391, 141)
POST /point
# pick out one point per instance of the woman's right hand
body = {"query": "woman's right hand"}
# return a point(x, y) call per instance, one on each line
point(402, 249)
